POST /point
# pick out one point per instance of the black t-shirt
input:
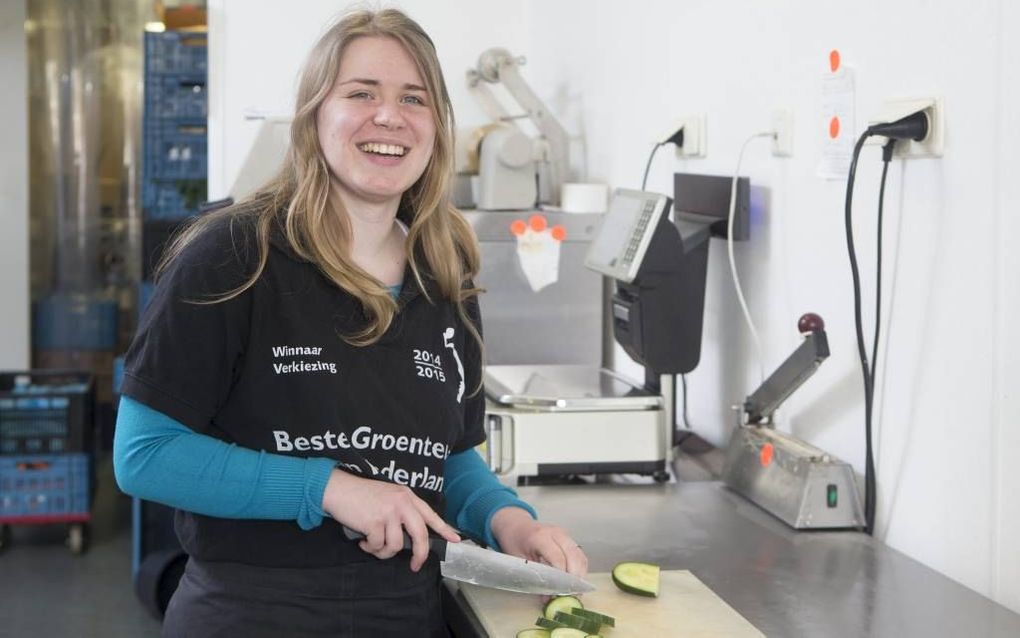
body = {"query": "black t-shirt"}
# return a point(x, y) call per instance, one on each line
point(268, 370)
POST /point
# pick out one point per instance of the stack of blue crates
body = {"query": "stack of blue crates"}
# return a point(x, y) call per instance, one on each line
point(175, 138)
point(46, 446)
point(174, 125)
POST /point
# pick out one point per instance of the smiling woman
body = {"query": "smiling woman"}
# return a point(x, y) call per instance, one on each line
point(354, 256)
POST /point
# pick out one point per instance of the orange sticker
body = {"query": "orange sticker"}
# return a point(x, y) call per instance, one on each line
point(518, 227)
point(834, 60)
point(766, 454)
point(559, 233)
point(537, 223)
point(834, 127)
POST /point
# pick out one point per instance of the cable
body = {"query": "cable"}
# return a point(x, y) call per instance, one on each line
point(869, 460)
point(729, 252)
point(886, 158)
point(686, 417)
point(655, 149)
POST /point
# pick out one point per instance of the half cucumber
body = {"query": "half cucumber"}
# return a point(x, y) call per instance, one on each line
point(641, 579)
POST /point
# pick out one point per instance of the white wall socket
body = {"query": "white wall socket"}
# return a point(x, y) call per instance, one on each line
point(694, 136)
point(897, 109)
point(782, 124)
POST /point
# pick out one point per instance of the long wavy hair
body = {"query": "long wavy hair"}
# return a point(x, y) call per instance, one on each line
point(440, 243)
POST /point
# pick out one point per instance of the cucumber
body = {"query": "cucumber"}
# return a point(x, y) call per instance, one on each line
point(637, 578)
point(594, 615)
point(568, 632)
point(584, 624)
point(533, 633)
point(561, 603)
point(548, 623)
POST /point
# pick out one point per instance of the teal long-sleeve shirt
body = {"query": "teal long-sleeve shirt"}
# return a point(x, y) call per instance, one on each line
point(159, 459)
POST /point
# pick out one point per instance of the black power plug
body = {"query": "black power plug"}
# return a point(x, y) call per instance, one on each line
point(913, 127)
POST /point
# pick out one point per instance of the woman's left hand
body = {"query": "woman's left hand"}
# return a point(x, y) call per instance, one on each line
point(520, 535)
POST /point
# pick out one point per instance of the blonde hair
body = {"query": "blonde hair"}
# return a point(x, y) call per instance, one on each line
point(439, 240)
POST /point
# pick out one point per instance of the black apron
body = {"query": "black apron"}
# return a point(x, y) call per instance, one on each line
point(372, 599)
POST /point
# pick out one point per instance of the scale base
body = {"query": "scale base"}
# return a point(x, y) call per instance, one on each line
point(795, 482)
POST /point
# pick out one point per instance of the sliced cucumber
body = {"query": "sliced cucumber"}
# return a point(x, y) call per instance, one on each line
point(584, 624)
point(637, 578)
point(533, 633)
point(568, 632)
point(547, 623)
point(594, 615)
point(561, 603)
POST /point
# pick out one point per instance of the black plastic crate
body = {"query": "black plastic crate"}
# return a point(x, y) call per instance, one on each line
point(46, 412)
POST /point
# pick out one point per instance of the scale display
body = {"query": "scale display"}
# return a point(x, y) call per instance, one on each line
point(627, 228)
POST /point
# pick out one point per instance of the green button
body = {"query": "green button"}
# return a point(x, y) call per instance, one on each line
point(832, 495)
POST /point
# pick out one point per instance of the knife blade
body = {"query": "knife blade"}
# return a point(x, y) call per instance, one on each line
point(489, 568)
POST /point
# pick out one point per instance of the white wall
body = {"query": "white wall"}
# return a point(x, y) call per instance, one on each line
point(619, 72)
point(946, 429)
point(257, 48)
point(14, 295)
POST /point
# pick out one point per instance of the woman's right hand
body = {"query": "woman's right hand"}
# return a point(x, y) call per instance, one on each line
point(383, 512)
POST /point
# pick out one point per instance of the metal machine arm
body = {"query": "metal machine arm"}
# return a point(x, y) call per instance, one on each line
point(499, 66)
point(797, 368)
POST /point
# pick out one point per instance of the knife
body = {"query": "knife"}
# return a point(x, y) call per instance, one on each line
point(489, 568)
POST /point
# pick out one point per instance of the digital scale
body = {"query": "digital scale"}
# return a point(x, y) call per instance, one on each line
point(554, 420)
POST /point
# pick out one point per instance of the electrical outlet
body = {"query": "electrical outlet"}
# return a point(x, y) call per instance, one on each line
point(782, 124)
point(930, 146)
point(694, 136)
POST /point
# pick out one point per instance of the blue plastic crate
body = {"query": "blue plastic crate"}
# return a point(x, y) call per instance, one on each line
point(74, 322)
point(167, 201)
point(176, 95)
point(45, 488)
point(174, 149)
point(176, 52)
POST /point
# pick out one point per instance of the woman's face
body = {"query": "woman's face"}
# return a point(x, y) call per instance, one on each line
point(376, 127)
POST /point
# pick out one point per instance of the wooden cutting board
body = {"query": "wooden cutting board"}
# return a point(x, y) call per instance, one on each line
point(685, 607)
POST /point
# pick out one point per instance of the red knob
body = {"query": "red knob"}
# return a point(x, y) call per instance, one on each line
point(810, 322)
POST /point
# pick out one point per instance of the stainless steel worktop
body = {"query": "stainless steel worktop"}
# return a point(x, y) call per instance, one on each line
point(786, 583)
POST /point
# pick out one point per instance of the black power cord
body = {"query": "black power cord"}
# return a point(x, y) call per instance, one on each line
point(914, 127)
point(655, 149)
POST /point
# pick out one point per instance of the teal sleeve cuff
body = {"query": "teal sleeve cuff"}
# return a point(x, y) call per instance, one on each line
point(156, 458)
point(474, 495)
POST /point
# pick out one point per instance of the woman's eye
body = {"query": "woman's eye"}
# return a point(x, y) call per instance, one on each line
point(360, 95)
point(413, 99)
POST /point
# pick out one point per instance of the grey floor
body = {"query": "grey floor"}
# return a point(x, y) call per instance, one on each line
point(47, 591)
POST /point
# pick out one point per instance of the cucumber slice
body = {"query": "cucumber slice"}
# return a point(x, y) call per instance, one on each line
point(568, 632)
point(533, 633)
point(584, 624)
point(548, 623)
point(637, 578)
point(561, 603)
point(594, 615)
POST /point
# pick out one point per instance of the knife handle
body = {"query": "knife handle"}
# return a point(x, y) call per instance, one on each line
point(437, 544)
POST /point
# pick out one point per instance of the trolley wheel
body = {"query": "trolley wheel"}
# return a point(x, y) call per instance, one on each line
point(5, 536)
point(661, 476)
point(78, 538)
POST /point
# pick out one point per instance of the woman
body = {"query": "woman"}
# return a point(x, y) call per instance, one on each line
point(312, 358)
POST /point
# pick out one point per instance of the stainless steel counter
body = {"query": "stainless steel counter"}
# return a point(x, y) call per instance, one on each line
point(786, 583)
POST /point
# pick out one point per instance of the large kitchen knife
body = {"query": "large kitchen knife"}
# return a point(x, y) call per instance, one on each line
point(489, 568)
